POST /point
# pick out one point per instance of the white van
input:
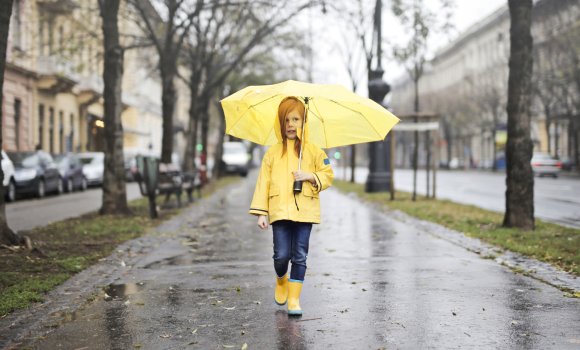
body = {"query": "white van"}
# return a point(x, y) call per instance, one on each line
point(235, 158)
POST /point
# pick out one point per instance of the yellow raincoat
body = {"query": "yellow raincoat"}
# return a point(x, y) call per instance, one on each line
point(274, 194)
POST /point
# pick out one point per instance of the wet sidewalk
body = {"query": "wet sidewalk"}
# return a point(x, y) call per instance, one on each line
point(373, 282)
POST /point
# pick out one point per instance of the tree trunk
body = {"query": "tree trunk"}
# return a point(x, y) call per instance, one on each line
point(168, 98)
point(7, 236)
point(204, 128)
point(520, 178)
point(190, 148)
point(114, 187)
point(494, 151)
point(353, 162)
point(219, 150)
point(548, 133)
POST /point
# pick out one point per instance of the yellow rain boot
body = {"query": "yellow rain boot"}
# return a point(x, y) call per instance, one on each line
point(294, 288)
point(281, 292)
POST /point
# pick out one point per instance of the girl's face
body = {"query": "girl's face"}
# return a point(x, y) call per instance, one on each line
point(293, 123)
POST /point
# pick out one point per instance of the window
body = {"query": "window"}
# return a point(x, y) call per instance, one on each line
point(16, 27)
point(51, 129)
point(41, 37)
point(50, 36)
point(61, 132)
point(17, 104)
point(69, 146)
point(40, 125)
point(60, 38)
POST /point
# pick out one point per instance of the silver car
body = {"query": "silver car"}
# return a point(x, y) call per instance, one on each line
point(544, 164)
point(93, 167)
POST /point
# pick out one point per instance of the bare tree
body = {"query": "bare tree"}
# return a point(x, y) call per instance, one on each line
point(421, 22)
point(221, 44)
point(168, 36)
point(7, 236)
point(114, 187)
point(357, 21)
point(520, 178)
point(490, 100)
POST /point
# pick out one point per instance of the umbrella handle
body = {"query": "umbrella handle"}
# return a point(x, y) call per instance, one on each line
point(303, 125)
point(298, 184)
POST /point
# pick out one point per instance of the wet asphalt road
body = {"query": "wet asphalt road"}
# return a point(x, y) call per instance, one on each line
point(26, 214)
point(555, 200)
point(373, 283)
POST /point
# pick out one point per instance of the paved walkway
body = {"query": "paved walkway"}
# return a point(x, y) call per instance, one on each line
point(27, 214)
point(374, 281)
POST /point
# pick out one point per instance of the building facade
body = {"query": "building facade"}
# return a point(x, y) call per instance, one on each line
point(466, 83)
point(52, 94)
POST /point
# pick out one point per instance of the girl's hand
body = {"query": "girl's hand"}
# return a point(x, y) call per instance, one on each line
point(300, 175)
point(263, 222)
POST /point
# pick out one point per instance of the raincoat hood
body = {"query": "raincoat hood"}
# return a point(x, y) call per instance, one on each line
point(278, 130)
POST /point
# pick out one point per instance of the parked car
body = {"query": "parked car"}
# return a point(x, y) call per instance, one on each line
point(71, 172)
point(568, 163)
point(235, 158)
point(130, 169)
point(35, 173)
point(9, 184)
point(544, 164)
point(93, 167)
point(456, 163)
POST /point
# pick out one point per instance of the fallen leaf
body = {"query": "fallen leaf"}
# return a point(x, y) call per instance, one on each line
point(128, 302)
point(239, 288)
point(258, 302)
point(353, 282)
point(228, 346)
point(123, 263)
point(191, 343)
point(245, 346)
point(454, 314)
point(243, 332)
point(140, 304)
point(343, 311)
point(229, 308)
point(468, 234)
point(138, 345)
point(170, 287)
point(514, 322)
point(483, 309)
point(576, 341)
point(297, 335)
point(364, 290)
point(194, 331)
point(164, 336)
point(214, 303)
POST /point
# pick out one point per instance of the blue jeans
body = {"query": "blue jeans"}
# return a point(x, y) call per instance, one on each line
point(291, 244)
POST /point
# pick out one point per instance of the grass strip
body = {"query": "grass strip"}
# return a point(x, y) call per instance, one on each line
point(72, 245)
point(551, 243)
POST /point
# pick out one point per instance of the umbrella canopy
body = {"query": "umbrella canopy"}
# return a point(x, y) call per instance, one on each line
point(336, 116)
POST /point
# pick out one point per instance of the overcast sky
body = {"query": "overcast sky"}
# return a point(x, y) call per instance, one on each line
point(328, 67)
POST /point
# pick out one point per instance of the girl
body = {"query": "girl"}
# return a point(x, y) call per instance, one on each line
point(290, 214)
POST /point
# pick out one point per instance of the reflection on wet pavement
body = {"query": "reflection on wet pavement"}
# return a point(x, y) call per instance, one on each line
point(372, 282)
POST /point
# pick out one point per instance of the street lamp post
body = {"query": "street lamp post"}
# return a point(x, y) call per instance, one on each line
point(380, 175)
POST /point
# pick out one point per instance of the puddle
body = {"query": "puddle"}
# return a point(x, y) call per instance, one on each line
point(120, 290)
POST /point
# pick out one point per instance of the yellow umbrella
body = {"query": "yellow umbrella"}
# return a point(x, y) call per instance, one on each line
point(336, 116)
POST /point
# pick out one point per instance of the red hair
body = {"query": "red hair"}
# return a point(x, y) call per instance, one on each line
point(288, 105)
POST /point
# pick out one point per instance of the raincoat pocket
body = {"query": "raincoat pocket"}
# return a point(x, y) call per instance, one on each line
point(274, 199)
point(311, 199)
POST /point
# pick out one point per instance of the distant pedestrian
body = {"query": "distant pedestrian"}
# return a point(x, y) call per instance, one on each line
point(291, 214)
